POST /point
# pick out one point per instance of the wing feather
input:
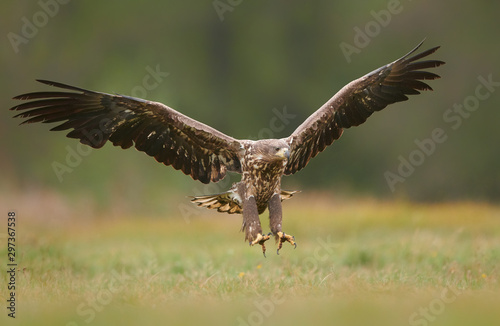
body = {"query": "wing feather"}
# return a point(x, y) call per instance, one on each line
point(172, 138)
point(355, 102)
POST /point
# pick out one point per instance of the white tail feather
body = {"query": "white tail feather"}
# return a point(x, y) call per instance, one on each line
point(229, 202)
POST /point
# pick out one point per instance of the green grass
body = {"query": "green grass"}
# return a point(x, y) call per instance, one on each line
point(356, 263)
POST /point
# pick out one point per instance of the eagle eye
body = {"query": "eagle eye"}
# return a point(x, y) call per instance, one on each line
point(277, 149)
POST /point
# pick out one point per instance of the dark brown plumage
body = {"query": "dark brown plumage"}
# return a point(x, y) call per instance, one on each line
point(169, 136)
point(207, 154)
point(356, 101)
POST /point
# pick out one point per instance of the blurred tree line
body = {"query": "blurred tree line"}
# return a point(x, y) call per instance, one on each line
point(237, 65)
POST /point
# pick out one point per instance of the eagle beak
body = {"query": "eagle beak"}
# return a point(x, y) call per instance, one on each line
point(284, 153)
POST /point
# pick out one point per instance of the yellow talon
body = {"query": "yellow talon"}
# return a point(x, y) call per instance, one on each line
point(282, 237)
point(260, 240)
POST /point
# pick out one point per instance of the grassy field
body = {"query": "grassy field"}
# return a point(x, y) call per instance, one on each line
point(357, 263)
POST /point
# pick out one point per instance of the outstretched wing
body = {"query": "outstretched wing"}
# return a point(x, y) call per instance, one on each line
point(356, 101)
point(161, 132)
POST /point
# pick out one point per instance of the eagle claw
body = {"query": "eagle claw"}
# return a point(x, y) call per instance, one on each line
point(260, 239)
point(282, 237)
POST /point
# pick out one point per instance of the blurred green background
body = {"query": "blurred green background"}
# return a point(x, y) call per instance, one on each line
point(233, 65)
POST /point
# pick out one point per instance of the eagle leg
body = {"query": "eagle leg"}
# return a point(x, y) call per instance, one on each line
point(275, 221)
point(282, 237)
point(251, 224)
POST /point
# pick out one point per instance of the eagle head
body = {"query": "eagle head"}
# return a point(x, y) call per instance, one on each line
point(272, 150)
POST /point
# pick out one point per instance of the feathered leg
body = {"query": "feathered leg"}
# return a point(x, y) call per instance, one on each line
point(275, 220)
point(251, 224)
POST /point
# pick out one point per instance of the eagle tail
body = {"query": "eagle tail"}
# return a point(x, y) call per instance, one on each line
point(287, 194)
point(226, 202)
point(229, 201)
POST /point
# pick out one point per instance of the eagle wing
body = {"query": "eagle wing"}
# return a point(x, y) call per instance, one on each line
point(356, 101)
point(154, 128)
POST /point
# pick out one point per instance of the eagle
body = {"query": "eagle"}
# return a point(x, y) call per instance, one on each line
point(207, 154)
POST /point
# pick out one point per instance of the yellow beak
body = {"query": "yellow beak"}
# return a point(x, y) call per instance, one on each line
point(284, 153)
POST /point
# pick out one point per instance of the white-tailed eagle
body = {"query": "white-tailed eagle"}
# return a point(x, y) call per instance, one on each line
point(207, 154)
